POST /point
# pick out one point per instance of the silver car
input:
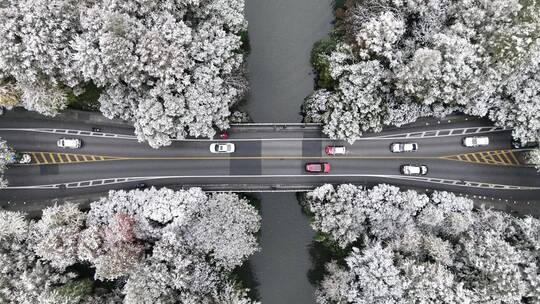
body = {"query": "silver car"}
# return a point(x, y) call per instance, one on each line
point(70, 143)
point(475, 141)
point(403, 147)
point(413, 169)
point(222, 148)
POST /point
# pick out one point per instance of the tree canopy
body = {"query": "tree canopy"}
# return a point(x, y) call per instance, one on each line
point(155, 246)
point(174, 68)
point(391, 62)
point(405, 247)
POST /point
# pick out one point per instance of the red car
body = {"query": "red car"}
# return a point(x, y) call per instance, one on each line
point(318, 167)
point(335, 150)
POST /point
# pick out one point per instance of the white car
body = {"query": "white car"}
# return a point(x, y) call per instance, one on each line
point(413, 169)
point(71, 143)
point(335, 150)
point(222, 148)
point(475, 141)
point(24, 158)
point(403, 147)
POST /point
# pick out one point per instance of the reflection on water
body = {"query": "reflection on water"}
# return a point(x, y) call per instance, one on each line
point(282, 33)
point(281, 268)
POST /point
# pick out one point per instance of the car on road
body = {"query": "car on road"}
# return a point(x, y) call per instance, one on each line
point(318, 167)
point(399, 147)
point(70, 143)
point(141, 186)
point(18, 158)
point(222, 148)
point(413, 169)
point(335, 150)
point(23, 158)
point(475, 141)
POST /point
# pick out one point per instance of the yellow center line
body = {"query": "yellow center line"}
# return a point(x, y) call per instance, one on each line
point(485, 157)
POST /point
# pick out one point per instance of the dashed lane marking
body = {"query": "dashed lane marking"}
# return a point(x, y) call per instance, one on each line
point(428, 180)
point(466, 131)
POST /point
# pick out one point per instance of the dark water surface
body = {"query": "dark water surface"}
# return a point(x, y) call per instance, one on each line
point(282, 33)
point(282, 267)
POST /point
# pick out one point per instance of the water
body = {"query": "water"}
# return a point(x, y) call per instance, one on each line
point(282, 267)
point(282, 33)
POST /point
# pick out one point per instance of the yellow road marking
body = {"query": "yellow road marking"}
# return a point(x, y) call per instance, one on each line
point(507, 159)
point(43, 157)
point(486, 157)
point(514, 157)
point(504, 159)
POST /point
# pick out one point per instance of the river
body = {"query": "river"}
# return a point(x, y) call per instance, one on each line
point(282, 33)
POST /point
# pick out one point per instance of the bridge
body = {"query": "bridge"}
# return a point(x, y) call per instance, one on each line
point(268, 157)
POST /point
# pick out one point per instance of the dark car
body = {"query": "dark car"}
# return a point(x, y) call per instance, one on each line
point(142, 186)
point(318, 167)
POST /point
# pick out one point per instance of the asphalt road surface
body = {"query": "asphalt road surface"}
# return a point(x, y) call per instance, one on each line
point(267, 157)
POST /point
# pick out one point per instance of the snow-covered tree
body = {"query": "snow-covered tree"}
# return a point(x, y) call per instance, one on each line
point(348, 213)
point(424, 249)
point(24, 278)
point(155, 246)
point(5, 155)
point(432, 58)
point(174, 68)
point(533, 158)
point(371, 278)
point(197, 237)
point(35, 51)
point(57, 234)
point(171, 67)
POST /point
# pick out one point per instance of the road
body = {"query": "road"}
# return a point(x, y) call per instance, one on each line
point(267, 157)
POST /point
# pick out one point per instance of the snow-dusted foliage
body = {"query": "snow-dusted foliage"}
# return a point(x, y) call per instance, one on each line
point(533, 158)
point(415, 248)
point(157, 246)
point(57, 234)
point(349, 213)
point(35, 51)
point(395, 61)
point(5, 155)
point(197, 240)
point(24, 278)
point(172, 67)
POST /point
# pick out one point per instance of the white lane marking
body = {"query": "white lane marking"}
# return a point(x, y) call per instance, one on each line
point(112, 181)
point(277, 124)
point(411, 135)
point(72, 132)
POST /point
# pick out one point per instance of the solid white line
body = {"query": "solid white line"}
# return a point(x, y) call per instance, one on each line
point(460, 183)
